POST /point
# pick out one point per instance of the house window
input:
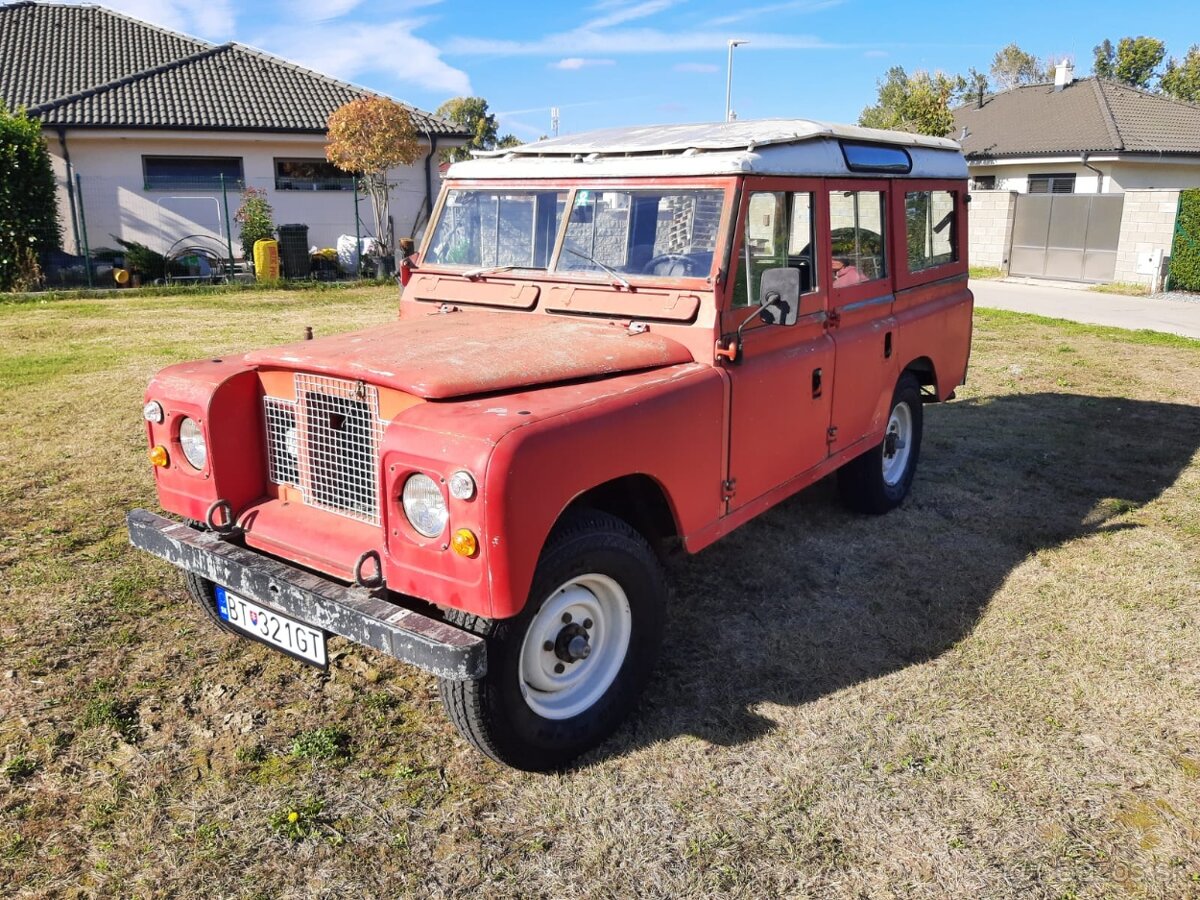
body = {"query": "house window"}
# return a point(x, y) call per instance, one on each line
point(1051, 184)
point(200, 173)
point(929, 222)
point(311, 175)
point(983, 183)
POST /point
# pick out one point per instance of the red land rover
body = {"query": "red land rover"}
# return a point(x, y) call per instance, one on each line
point(608, 344)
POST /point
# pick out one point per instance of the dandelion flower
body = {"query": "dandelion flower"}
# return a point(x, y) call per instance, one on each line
point(293, 816)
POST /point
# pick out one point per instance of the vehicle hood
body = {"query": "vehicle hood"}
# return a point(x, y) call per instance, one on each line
point(457, 354)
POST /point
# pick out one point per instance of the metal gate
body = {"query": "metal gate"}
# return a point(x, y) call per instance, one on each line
point(1072, 237)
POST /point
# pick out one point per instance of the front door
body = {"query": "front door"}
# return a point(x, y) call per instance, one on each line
point(861, 301)
point(781, 384)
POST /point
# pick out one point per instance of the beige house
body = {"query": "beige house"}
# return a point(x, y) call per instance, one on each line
point(1077, 180)
point(154, 134)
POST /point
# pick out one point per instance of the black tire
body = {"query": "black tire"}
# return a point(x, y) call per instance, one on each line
point(203, 592)
point(492, 714)
point(861, 481)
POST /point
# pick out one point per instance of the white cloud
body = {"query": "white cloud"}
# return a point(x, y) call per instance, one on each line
point(571, 63)
point(327, 10)
point(353, 51)
point(875, 54)
point(210, 19)
point(627, 13)
point(699, 68)
point(753, 12)
point(634, 40)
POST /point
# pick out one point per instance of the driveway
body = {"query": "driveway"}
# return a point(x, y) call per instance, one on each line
point(1173, 316)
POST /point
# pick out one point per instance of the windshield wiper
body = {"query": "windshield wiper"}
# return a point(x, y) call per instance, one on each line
point(615, 274)
point(492, 270)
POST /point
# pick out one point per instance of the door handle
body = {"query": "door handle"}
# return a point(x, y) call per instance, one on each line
point(816, 383)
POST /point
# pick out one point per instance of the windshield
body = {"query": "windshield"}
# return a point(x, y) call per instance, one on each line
point(663, 232)
point(497, 228)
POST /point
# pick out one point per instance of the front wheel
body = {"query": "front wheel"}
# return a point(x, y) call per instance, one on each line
point(566, 671)
point(879, 480)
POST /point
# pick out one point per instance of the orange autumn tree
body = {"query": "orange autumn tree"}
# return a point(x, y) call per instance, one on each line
point(370, 136)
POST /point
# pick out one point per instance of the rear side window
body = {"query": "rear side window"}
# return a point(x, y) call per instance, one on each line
point(856, 232)
point(931, 229)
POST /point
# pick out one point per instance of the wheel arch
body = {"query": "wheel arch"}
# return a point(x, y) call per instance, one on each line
point(637, 499)
point(923, 368)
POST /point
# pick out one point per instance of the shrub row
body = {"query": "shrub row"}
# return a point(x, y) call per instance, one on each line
point(1185, 252)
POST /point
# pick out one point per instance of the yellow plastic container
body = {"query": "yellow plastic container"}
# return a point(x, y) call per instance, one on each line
point(266, 260)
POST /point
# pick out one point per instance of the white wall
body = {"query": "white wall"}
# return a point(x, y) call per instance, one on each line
point(116, 202)
point(1119, 173)
point(1015, 177)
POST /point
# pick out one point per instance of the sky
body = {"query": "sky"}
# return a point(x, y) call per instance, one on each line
point(631, 62)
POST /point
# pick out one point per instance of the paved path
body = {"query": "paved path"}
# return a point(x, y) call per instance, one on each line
point(1173, 316)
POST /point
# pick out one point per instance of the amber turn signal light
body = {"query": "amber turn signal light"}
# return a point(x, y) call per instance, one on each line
point(158, 455)
point(464, 542)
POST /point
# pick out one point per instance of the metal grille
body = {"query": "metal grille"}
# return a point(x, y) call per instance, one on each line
point(282, 441)
point(327, 444)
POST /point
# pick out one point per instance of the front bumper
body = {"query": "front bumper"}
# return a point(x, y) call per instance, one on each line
point(351, 612)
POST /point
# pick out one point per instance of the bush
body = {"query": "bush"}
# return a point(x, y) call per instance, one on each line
point(1185, 252)
point(28, 207)
point(255, 220)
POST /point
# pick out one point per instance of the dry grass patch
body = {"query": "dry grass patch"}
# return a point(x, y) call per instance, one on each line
point(991, 692)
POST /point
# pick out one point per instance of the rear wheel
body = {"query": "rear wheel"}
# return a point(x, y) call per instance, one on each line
point(566, 671)
point(880, 479)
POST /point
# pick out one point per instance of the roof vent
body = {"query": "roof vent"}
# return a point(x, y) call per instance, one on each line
point(1064, 74)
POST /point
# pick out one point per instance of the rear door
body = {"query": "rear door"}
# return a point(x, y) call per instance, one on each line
point(780, 398)
point(858, 270)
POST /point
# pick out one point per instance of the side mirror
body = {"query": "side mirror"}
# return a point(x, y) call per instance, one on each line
point(779, 296)
point(407, 247)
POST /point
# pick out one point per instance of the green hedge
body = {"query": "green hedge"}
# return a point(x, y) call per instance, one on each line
point(28, 209)
point(1185, 253)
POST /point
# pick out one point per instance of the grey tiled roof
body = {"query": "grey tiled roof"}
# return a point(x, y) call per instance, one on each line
point(1090, 115)
point(89, 67)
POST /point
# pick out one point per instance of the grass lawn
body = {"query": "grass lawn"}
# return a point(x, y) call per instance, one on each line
point(992, 692)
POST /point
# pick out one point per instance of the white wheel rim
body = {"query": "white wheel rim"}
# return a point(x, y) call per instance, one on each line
point(897, 444)
point(595, 599)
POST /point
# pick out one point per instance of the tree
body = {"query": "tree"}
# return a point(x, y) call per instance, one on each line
point(28, 206)
point(1135, 60)
point(255, 219)
point(370, 136)
point(509, 140)
point(1181, 79)
point(1138, 60)
point(1104, 58)
point(471, 115)
point(1013, 67)
point(918, 103)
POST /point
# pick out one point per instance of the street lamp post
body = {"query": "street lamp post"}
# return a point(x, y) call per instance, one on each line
point(729, 77)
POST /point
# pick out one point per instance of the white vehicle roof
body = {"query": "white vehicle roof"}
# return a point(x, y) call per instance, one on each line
point(762, 147)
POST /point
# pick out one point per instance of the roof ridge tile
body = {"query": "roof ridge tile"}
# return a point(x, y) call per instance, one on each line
point(1110, 121)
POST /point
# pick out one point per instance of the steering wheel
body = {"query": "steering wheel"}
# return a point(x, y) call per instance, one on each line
point(652, 264)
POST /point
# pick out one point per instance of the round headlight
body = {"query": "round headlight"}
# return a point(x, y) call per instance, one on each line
point(424, 505)
point(153, 412)
point(462, 485)
point(191, 439)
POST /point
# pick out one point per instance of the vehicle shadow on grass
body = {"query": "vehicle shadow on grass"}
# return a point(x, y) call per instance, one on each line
point(809, 599)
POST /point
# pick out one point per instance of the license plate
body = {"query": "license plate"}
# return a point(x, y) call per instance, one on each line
point(272, 628)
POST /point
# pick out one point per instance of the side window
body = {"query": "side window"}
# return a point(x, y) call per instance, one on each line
point(930, 222)
point(857, 237)
point(779, 233)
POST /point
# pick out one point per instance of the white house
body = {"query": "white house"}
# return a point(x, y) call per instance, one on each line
point(1077, 180)
point(1084, 136)
point(154, 134)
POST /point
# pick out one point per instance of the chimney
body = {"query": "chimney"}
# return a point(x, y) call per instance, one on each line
point(1064, 74)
